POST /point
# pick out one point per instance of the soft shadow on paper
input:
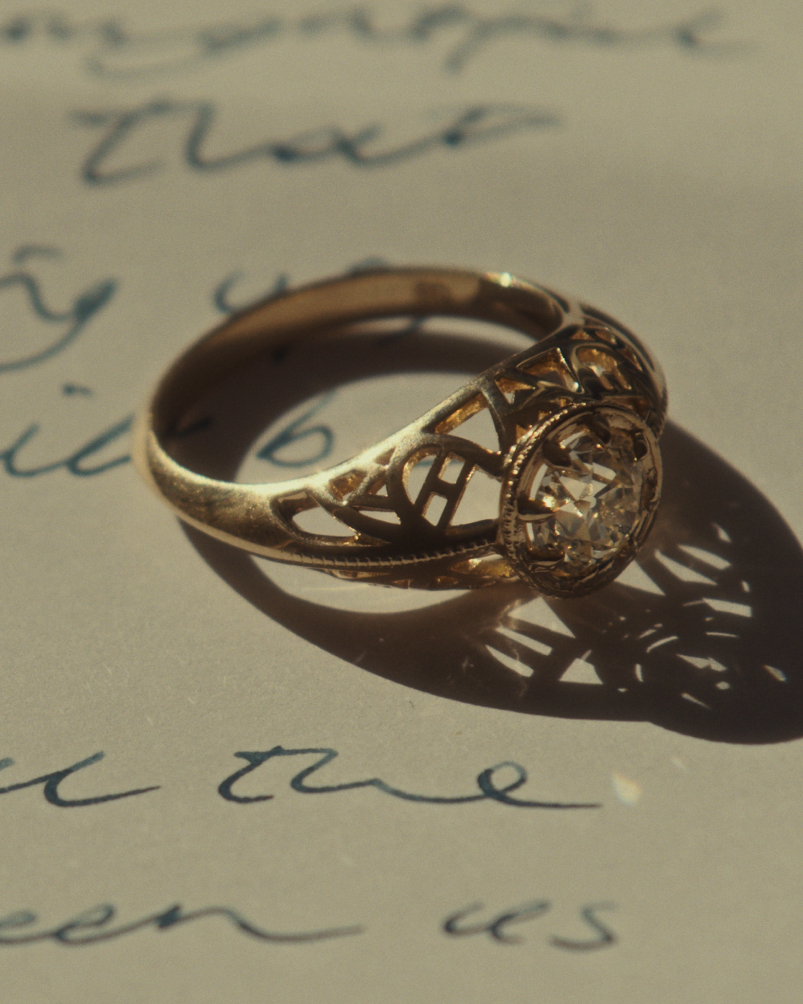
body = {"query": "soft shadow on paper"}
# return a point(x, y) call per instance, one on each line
point(700, 636)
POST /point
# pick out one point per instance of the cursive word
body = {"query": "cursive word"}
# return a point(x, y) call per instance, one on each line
point(91, 926)
point(77, 462)
point(281, 283)
point(69, 323)
point(361, 147)
point(488, 790)
point(221, 292)
point(295, 432)
point(117, 51)
point(496, 926)
point(222, 302)
point(50, 785)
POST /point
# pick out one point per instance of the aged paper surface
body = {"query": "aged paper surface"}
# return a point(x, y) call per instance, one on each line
point(453, 798)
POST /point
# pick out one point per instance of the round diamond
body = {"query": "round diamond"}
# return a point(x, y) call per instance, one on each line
point(587, 494)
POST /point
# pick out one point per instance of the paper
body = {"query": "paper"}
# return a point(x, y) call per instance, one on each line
point(228, 780)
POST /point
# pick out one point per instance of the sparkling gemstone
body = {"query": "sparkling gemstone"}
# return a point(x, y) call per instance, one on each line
point(588, 493)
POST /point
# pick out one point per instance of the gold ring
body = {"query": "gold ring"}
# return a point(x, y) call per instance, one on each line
point(577, 417)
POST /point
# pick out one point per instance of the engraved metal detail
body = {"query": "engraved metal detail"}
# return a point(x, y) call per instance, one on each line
point(586, 367)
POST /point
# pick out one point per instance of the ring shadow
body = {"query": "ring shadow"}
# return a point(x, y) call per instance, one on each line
point(699, 636)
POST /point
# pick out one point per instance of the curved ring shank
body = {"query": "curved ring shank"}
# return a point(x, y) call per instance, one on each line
point(580, 355)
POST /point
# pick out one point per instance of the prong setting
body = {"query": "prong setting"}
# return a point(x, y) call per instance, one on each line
point(579, 498)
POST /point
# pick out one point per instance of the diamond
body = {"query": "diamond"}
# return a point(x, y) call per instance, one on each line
point(588, 504)
point(579, 498)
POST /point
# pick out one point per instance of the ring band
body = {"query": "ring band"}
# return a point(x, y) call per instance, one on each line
point(577, 417)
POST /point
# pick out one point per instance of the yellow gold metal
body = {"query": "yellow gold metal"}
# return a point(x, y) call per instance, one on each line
point(584, 368)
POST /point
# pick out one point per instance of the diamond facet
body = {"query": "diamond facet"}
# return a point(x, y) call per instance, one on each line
point(587, 507)
point(580, 495)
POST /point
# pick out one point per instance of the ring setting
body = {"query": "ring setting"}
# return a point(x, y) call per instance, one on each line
point(579, 499)
point(577, 417)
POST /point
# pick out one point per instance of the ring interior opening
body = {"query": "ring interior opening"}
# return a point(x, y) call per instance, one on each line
point(320, 401)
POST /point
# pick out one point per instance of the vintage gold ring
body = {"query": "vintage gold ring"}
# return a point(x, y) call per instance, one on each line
point(577, 416)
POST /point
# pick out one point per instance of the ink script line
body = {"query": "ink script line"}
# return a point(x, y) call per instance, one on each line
point(460, 33)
